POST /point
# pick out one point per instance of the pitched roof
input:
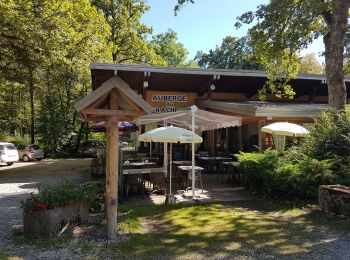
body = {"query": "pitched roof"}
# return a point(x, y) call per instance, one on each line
point(114, 83)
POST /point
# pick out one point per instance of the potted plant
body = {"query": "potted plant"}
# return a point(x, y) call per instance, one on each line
point(46, 213)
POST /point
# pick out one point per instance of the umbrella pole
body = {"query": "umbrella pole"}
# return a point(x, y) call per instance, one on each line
point(171, 164)
point(193, 109)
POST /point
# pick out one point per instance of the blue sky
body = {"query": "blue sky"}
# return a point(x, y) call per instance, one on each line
point(203, 25)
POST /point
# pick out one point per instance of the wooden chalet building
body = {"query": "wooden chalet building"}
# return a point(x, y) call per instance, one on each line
point(230, 92)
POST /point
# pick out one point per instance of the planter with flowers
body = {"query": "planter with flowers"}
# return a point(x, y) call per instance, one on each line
point(46, 213)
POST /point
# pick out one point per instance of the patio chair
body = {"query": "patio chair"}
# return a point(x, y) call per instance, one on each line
point(135, 180)
point(198, 179)
point(222, 170)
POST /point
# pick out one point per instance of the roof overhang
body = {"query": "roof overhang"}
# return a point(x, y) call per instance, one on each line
point(265, 109)
point(246, 82)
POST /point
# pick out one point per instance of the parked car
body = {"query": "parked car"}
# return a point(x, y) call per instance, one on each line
point(28, 152)
point(89, 148)
point(8, 153)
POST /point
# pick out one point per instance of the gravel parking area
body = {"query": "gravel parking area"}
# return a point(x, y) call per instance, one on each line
point(19, 180)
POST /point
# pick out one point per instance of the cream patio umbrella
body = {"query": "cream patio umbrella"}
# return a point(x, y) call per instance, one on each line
point(171, 134)
point(280, 130)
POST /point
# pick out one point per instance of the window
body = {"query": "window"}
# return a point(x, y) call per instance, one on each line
point(10, 147)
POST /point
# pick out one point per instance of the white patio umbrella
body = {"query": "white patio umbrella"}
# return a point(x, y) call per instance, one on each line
point(280, 130)
point(170, 134)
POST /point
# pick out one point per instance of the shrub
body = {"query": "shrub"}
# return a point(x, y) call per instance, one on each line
point(54, 196)
point(329, 137)
point(257, 167)
point(290, 174)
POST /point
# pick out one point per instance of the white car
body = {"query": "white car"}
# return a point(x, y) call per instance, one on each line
point(8, 153)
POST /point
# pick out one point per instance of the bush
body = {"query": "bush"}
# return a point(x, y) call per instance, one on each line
point(290, 174)
point(330, 137)
point(54, 196)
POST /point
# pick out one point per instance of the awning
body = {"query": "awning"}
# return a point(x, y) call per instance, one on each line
point(204, 120)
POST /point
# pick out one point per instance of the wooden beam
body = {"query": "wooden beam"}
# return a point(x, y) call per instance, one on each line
point(201, 91)
point(131, 103)
point(99, 102)
point(94, 118)
point(113, 100)
point(108, 112)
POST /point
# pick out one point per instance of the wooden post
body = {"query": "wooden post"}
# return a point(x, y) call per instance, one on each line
point(112, 163)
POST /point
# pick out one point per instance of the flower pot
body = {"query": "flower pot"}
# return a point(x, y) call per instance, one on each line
point(44, 223)
point(47, 223)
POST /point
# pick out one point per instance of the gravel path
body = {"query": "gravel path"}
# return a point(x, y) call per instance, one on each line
point(17, 182)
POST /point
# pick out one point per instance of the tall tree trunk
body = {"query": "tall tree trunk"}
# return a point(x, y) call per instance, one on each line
point(32, 109)
point(334, 42)
point(77, 144)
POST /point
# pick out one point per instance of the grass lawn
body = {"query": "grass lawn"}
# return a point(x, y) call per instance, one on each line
point(212, 231)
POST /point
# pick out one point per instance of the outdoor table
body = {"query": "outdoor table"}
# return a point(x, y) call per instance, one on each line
point(212, 161)
point(179, 163)
point(188, 177)
point(182, 162)
point(138, 164)
point(140, 174)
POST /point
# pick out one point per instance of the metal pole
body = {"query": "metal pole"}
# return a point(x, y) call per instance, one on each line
point(171, 164)
point(165, 164)
point(194, 110)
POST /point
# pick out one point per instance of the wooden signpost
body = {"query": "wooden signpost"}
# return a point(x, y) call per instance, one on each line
point(114, 101)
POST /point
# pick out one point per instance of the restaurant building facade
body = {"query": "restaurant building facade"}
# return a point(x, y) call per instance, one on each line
point(229, 92)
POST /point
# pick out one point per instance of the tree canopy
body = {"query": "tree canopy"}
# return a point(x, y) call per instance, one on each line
point(310, 65)
point(46, 48)
point(167, 46)
point(233, 53)
point(282, 28)
point(128, 37)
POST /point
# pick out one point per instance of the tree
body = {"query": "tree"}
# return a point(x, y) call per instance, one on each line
point(234, 53)
point(166, 45)
point(128, 36)
point(45, 49)
point(310, 65)
point(284, 27)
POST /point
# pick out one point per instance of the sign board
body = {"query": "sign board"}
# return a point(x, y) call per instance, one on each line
point(166, 101)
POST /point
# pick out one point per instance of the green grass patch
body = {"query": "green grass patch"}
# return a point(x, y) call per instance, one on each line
point(217, 230)
point(256, 229)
